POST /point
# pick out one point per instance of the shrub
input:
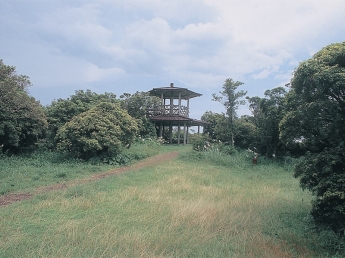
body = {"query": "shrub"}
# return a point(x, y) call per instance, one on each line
point(22, 119)
point(200, 143)
point(62, 111)
point(100, 131)
point(323, 174)
point(314, 115)
point(227, 149)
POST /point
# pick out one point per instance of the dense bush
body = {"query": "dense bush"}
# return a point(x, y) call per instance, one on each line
point(227, 149)
point(267, 114)
point(323, 174)
point(245, 133)
point(22, 120)
point(137, 105)
point(200, 143)
point(315, 116)
point(100, 131)
point(62, 111)
point(244, 130)
point(218, 127)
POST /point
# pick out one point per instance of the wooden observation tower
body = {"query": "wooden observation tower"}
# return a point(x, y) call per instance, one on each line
point(172, 112)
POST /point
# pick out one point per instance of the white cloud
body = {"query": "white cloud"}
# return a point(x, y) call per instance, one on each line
point(77, 25)
point(200, 31)
point(92, 73)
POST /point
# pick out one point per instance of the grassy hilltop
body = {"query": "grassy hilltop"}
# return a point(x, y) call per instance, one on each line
point(200, 204)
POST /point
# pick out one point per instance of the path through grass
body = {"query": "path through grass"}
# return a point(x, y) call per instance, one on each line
point(182, 208)
point(24, 173)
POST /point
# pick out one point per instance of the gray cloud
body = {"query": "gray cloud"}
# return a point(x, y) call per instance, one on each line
point(125, 46)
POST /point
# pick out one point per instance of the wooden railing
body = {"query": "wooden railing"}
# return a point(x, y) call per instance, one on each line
point(168, 110)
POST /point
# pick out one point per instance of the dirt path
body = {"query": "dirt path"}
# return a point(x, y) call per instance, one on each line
point(15, 197)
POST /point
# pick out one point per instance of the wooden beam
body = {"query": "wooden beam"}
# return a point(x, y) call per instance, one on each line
point(171, 105)
point(179, 103)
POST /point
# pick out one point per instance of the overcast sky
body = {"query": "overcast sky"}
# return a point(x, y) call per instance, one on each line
point(135, 45)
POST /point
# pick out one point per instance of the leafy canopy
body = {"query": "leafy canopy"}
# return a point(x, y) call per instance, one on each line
point(62, 111)
point(316, 116)
point(100, 131)
point(137, 105)
point(267, 113)
point(22, 120)
point(231, 99)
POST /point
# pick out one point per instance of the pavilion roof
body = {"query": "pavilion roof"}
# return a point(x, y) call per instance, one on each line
point(173, 92)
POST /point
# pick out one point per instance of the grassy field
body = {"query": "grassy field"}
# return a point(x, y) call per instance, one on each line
point(196, 205)
point(22, 173)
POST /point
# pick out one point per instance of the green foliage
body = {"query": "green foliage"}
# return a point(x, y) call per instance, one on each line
point(212, 119)
point(231, 99)
point(62, 111)
point(219, 127)
point(140, 149)
point(118, 159)
point(227, 149)
point(245, 132)
point(137, 105)
point(268, 112)
point(316, 118)
point(100, 131)
point(323, 174)
point(143, 148)
point(200, 143)
point(22, 120)
point(146, 128)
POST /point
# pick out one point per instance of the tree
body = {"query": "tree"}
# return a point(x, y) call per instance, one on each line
point(137, 105)
point(316, 116)
point(246, 134)
point(62, 111)
point(100, 131)
point(218, 127)
point(22, 119)
point(267, 114)
point(231, 101)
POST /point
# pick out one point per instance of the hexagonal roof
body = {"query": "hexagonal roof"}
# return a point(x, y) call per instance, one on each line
point(174, 92)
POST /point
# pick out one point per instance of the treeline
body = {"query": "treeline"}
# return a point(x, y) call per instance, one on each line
point(306, 119)
point(85, 125)
point(259, 132)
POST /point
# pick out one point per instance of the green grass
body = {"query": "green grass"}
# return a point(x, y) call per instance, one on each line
point(23, 173)
point(199, 205)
